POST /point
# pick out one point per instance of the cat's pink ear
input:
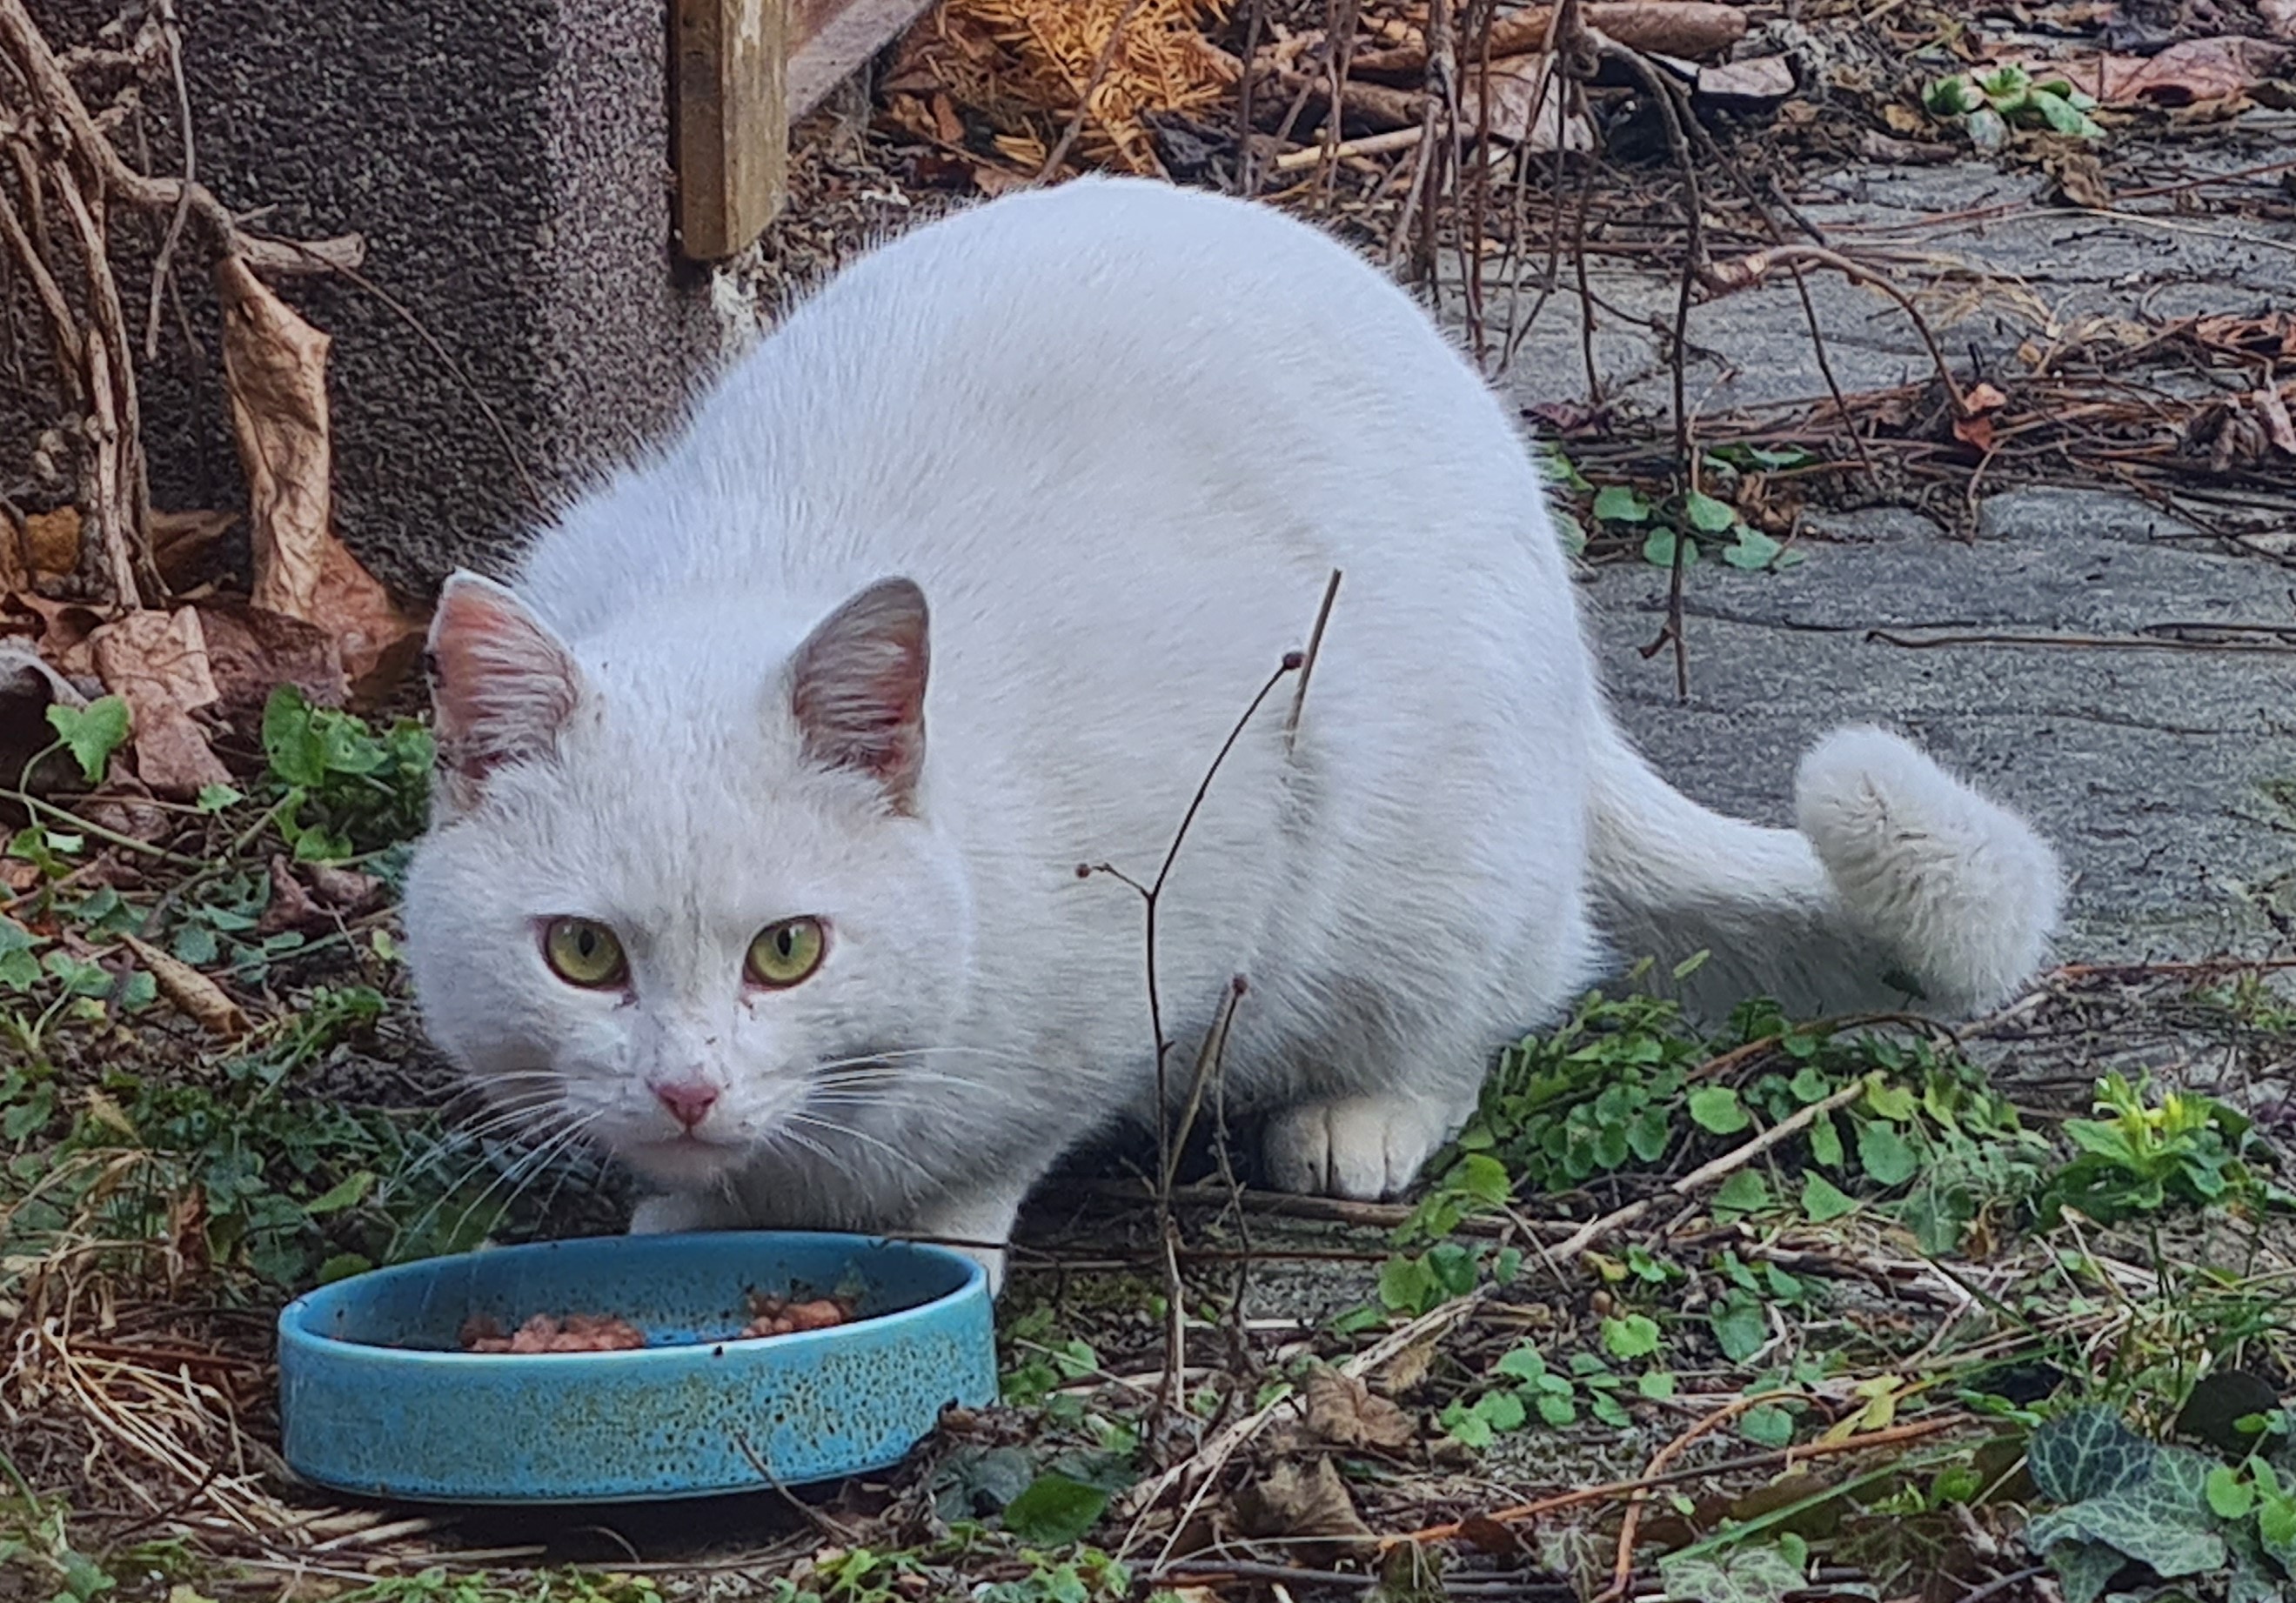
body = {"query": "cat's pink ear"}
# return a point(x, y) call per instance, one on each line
point(857, 687)
point(500, 685)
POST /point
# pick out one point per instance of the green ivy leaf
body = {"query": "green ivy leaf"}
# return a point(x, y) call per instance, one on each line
point(1406, 1284)
point(1895, 1103)
point(1744, 1192)
point(1523, 1363)
point(1887, 1157)
point(1557, 1409)
point(2085, 1568)
point(1484, 1178)
point(2063, 116)
point(1767, 1426)
point(1618, 503)
point(1825, 1141)
point(1635, 1336)
point(1740, 1326)
point(1752, 550)
point(1501, 1411)
point(1054, 1510)
point(1718, 1110)
point(2087, 1453)
point(1708, 515)
point(1657, 1384)
point(1823, 1200)
point(1648, 1132)
point(92, 733)
point(346, 1193)
point(1658, 549)
point(1763, 1575)
point(2230, 1495)
point(1462, 1423)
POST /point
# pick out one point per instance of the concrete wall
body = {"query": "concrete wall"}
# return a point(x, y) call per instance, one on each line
point(507, 162)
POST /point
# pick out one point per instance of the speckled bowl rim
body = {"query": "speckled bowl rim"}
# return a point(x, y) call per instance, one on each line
point(316, 1302)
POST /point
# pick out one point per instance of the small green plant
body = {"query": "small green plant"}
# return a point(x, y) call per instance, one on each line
point(442, 1585)
point(1989, 106)
point(1689, 520)
point(340, 790)
point(2184, 1151)
point(91, 733)
point(1529, 1389)
point(2126, 1502)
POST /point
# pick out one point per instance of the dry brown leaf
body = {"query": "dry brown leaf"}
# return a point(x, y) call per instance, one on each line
point(52, 541)
point(276, 372)
point(1342, 1411)
point(2079, 179)
point(156, 662)
point(2277, 428)
point(2272, 335)
point(199, 998)
point(1904, 153)
point(1758, 84)
point(291, 907)
point(250, 651)
point(2196, 70)
point(344, 890)
point(182, 542)
point(1299, 1501)
point(61, 629)
point(1526, 106)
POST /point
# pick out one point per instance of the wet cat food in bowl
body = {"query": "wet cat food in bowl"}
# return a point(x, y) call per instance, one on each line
point(604, 1333)
point(651, 1367)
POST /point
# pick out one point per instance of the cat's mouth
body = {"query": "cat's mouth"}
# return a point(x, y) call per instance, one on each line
point(684, 1161)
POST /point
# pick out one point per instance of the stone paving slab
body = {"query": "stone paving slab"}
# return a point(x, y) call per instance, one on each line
point(2165, 775)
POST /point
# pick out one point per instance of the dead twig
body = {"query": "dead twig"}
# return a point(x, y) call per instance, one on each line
point(1896, 1435)
point(1622, 1568)
point(52, 96)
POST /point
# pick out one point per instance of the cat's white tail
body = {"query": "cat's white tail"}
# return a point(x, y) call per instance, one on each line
point(1900, 882)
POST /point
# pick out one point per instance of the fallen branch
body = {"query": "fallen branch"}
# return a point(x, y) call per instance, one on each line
point(1622, 1568)
point(54, 98)
point(1686, 28)
point(1897, 1436)
point(1728, 278)
point(1710, 1173)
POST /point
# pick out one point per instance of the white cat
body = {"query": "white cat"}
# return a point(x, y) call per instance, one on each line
point(747, 869)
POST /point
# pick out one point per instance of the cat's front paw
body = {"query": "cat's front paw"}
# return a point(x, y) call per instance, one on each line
point(1363, 1148)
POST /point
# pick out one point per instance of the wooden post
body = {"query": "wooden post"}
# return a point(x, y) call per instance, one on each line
point(733, 121)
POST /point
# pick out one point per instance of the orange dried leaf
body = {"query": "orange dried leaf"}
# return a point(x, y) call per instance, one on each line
point(199, 998)
point(276, 372)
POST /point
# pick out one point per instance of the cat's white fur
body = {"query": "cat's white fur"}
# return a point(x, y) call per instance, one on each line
point(1118, 435)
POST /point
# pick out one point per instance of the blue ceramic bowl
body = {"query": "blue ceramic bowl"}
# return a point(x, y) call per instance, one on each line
point(376, 1396)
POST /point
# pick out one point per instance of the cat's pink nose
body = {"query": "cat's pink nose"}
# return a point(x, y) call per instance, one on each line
point(689, 1101)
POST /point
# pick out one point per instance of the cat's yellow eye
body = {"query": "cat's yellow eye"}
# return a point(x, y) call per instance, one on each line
point(583, 953)
point(786, 953)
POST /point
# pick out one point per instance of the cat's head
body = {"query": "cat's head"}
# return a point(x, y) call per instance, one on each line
point(690, 903)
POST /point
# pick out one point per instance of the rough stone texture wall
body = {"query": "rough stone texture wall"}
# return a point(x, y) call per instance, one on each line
point(507, 162)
